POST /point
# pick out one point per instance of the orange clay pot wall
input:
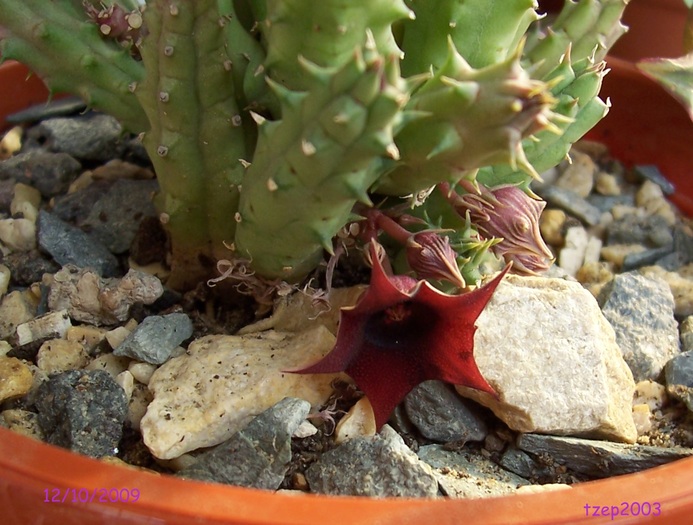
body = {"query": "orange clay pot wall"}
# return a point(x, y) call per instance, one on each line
point(644, 126)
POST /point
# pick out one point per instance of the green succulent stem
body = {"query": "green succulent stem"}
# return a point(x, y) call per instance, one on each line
point(55, 40)
point(268, 120)
point(196, 140)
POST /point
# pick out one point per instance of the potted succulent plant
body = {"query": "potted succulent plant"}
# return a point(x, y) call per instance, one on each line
point(382, 126)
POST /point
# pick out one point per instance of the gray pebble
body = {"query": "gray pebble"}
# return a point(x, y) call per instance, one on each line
point(600, 459)
point(376, 466)
point(70, 245)
point(115, 217)
point(82, 411)
point(257, 456)
point(53, 108)
point(155, 339)
point(683, 251)
point(93, 137)
point(678, 373)
point(442, 415)
point(50, 173)
point(75, 207)
point(641, 311)
point(28, 267)
point(520, 463)
point(607, 202)
point(571, 203)
point(651, 231)
point(636, 260)
point(651, 172)
point(464, 474)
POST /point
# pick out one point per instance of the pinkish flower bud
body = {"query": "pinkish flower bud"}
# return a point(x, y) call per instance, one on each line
point(508, 213)
point(431, 257)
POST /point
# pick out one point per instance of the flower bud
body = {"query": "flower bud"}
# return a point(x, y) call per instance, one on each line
point(431, 257)
point(508, 213)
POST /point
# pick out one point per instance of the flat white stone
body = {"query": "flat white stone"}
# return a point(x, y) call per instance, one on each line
point(203, 397)
point(545, 347)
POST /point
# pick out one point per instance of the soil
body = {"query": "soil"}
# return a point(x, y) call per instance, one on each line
point(209, 309)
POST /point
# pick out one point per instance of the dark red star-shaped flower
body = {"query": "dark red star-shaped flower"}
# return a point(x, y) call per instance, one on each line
point(403, 332)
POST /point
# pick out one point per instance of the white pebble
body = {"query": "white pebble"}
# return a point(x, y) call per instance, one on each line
point(18, 234)
point(142, 371)
point(61, 355)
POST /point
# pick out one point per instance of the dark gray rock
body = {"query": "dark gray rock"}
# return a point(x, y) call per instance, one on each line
point(82, 411)
point(652, 231)
point(116, 216)
point(75, 207)
point(50, 173)
point(678, 374)
point(257, 456)
point(607, 202)
point(93, 136)
point(571, 203)
point(70, 245)
point(376, 466)
point(641, 311)
point(442, 415)
point(682, 251)
point(465, 474)
point(651, 172)
point(633, 261)
point(600, 459)
point(6, 194)
point(518, 462)
point(28, 267)
point(54, 108)
point(156, 338)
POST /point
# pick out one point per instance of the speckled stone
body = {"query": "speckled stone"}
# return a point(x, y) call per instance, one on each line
point(442, 415)
point(641, 311)
point(82, 411)
point(206, 395)
point(464, 474)
point(258, 455)
point(16, 308)
point(679, 377)
point(16, 378)
point(92, 299)
point(50, 173)
point(375, 466)
point(155, 339)
point(92, 136)
point(61, 355)
point(116, 216)
point(680, 283)
point(545, 347)
point(23, 422)
point(70, 245)
point(600, 459)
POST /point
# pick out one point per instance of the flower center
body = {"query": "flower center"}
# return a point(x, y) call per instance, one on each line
point(397, 313)
point(400, 325)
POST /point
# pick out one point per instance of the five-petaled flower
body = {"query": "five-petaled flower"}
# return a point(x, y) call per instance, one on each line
point(402, 332)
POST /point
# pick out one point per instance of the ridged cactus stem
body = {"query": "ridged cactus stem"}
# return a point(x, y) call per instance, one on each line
point(196, 140)
point(56, 40)
point(325, 33)
point(498, 26)
point(312, 166)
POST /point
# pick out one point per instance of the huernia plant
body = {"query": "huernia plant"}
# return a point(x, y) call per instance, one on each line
point(273, 125)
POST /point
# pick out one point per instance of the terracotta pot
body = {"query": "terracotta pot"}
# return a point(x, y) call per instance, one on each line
point(645, 124)
point(19, 90)
point(32, 472)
